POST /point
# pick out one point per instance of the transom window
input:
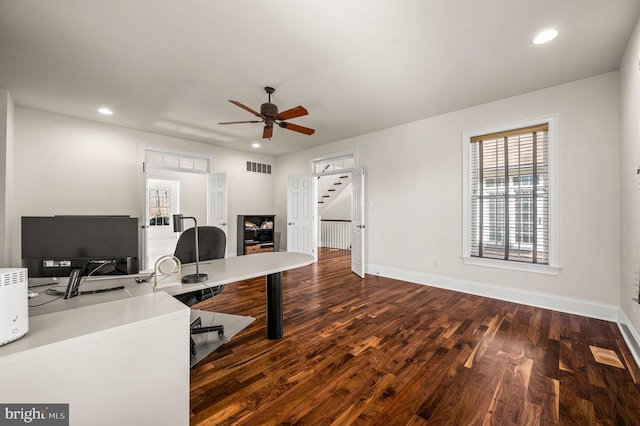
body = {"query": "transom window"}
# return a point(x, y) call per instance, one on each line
point(509, 206)
point(333, 165)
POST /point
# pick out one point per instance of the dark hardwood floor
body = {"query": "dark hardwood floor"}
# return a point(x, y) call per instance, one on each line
point(380, 351)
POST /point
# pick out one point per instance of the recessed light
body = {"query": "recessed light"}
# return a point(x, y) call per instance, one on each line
point(545, 36)
point(256, 145)
point(105, 111)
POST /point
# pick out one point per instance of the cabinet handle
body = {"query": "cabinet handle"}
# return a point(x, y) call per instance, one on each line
point(291, 223)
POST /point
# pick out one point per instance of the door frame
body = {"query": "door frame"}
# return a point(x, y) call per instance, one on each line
point(145, 166)
point(356, 167)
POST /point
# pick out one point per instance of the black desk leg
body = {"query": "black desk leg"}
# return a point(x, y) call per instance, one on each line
point(274, 306)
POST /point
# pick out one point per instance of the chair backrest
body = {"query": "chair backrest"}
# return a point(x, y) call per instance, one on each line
point(212, 244)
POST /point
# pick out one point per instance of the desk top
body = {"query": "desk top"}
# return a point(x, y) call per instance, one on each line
point(68, 328)
point(219, 271)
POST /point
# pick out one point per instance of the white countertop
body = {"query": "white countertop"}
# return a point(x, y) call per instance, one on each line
point(59, 330)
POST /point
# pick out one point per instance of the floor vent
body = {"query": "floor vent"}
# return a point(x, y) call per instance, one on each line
point(606, 356)
point(258, 167)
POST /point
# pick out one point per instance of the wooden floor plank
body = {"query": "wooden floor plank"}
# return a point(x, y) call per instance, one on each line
point(377, 351)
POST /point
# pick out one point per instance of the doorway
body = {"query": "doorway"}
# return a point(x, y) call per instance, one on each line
point(163, 199)
point(172, 183)
point(334, 212)
point(340, 223)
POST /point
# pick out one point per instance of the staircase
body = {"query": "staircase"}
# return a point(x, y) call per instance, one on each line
point(330, 186)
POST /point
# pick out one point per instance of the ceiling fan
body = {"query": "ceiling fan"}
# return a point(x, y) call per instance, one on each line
point(269, 115)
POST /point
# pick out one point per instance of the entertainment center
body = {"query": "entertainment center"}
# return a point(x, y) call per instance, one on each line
point(255, 234)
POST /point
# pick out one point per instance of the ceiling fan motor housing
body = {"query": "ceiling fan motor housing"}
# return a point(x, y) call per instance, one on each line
point(269, 110)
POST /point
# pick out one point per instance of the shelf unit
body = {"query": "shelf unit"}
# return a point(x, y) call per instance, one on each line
point(255, 233)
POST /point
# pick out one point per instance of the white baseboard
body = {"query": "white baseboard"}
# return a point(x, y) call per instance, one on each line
point(557, 303)
point(541, 300)
point(630, 335)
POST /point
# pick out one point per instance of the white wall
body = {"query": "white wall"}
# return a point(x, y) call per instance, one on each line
point(7, 143)
point(629, 179)
point(414, 196)
point(65, 165)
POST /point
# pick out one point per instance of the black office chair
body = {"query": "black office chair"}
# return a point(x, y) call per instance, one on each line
point(212, 244)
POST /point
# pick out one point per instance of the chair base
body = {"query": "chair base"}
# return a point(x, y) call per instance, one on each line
point(196, 328)
point(200, 330)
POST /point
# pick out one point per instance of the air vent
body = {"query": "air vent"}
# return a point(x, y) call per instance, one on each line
point(258, 167)
point(13, 276)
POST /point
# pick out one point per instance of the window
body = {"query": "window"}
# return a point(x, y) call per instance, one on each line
point(510, 209)
point(335, 164)
point(159, 207)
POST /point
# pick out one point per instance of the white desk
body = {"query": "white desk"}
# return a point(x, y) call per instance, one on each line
point(219, 271)
point(122, 357)
point(123, 362)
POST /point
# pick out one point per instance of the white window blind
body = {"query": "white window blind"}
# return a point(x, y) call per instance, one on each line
point(509, 195)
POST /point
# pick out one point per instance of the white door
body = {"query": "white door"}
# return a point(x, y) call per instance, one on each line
point(219, 201)
point(301, 232)
point(357, 222)
point(163, 198)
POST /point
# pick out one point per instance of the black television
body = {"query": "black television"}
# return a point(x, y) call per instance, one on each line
point(52, 246)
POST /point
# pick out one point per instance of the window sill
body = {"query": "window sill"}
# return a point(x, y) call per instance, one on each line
point(515, 266)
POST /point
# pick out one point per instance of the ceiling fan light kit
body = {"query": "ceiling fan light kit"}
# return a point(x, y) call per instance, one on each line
point(269, 115)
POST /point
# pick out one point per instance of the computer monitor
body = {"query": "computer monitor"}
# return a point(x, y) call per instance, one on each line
point(99, 245)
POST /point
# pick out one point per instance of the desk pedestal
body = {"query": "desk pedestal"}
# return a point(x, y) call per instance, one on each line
point(274, 306)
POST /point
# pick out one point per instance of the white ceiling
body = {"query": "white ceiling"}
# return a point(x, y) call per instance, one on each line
point(170, 67)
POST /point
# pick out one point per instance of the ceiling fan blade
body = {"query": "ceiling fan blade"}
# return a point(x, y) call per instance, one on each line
point(297, 128)
point(298, 111)
point(240, 122)
point(246, 108)
point(267, 132)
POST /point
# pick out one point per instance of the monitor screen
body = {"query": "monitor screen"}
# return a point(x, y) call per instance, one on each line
point(52, 246)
